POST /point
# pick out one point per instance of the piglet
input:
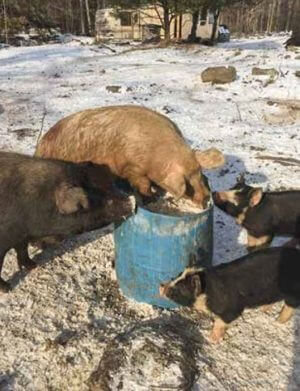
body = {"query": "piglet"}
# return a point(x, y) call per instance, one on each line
point(41, 198)
point(262, 214)
point(257, 279)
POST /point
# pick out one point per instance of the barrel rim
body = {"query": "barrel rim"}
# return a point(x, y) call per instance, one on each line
point(186, 216)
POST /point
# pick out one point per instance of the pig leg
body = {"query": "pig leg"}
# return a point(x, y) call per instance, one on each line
point(48, 241)
point(285, 314)
point(265, 308)
point(4, 286)
point(200, 304)
point(138, 180)
point(292, 243)
point(218, 331)
point(23, 257)
point(258, 243)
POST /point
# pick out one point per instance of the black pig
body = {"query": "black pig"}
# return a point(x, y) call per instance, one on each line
point(257, 279)
point(50, 198)
point(263, 215)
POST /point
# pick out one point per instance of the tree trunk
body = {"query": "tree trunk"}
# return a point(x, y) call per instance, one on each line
point(273, 15)
point(175, 27)
point(195, 19)
point(215, 25)
point(283, 15)
point(88, 16)
point(166, 23)
point(269, 17)
point(180, 25)
point(291, 13)
point(82, 18)
point(71, 16)
point(5, 22)
point(295, 40)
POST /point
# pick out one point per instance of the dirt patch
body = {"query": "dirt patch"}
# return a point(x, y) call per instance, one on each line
point(156, 354)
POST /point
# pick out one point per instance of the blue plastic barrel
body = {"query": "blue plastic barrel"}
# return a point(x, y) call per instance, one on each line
point(152, 248)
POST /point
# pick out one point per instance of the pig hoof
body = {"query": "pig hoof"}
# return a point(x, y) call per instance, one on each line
point(215, 337)
point(281, 320)
point(285, 314)
point(4, 286)
point(30, 265)
point(266, 308)
point(252, 249)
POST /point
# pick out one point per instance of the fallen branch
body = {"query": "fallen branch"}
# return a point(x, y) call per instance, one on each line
point(102, 45)
point(42, 125)
point(239, 112)
point(292, 103)
point(285, 161)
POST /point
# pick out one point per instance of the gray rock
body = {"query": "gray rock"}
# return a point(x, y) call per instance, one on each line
point(297, 73)
point(114, 89)
point(272, 74)
point(219, 75)
point(265, 72)
point(153, 355)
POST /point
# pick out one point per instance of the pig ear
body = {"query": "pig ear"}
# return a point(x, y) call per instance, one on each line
point(210, 159)
point(175, 184)
point(196, 284)
point(256, 196)
point(69, 199)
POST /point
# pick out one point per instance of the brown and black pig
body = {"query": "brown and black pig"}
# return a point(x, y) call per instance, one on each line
point(137, 144)
point(257, 279)
point(262, 214)
point(50, 198)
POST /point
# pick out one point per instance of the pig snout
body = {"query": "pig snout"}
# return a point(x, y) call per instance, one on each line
point(219, 197)
point(202, 195)
point(216, 197)
point(203, 202)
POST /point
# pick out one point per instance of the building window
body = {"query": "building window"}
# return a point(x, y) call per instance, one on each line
point(125, 18)
point(211, 18)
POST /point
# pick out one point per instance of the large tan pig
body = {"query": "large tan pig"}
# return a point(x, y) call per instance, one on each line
point(137, 144)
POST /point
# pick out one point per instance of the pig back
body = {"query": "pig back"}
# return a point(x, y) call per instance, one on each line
point(117, 136)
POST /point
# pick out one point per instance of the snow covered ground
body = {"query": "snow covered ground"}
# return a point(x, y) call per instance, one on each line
point(56, 323)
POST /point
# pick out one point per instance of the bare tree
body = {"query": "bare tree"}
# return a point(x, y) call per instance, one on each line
point(295, 39)
point(5, 21)
point(82, 18)
point(261, 15)
point(88, 16)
